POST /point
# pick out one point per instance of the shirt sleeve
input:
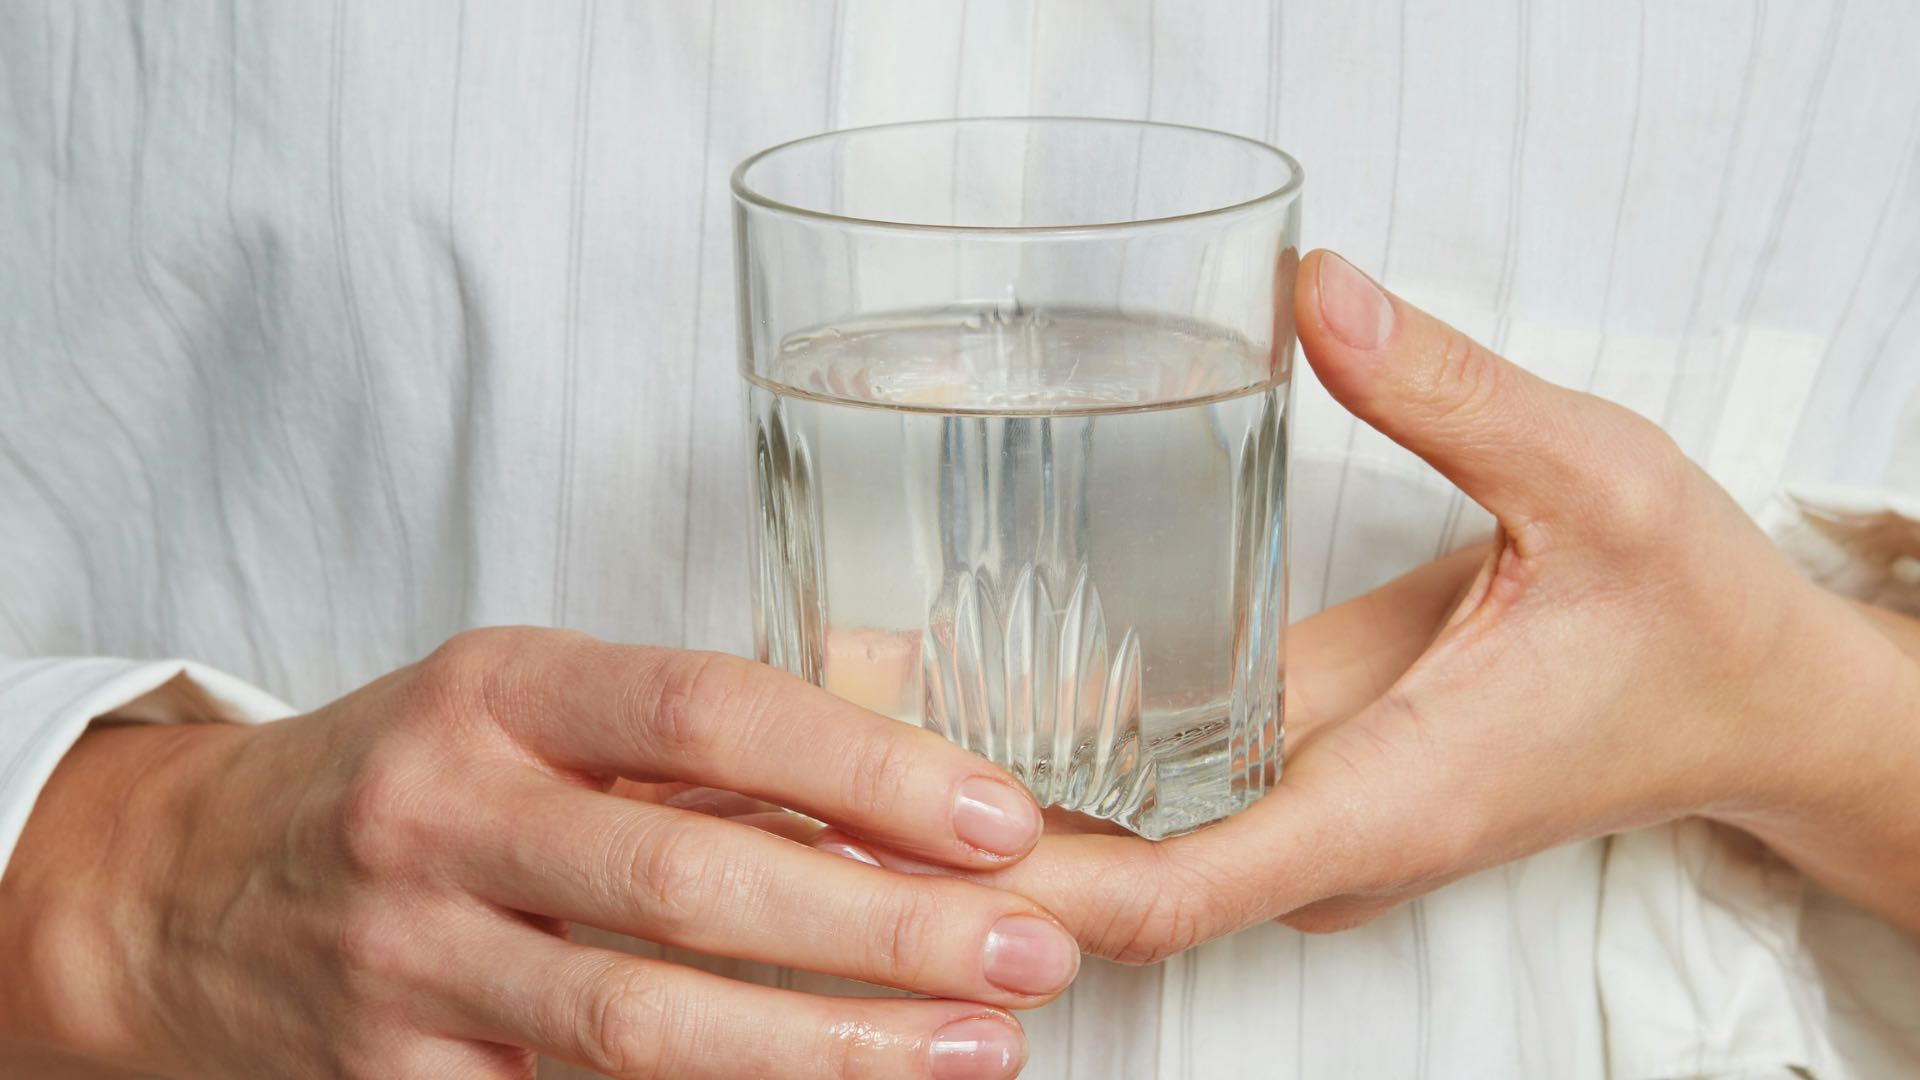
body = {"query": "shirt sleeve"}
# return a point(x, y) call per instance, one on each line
point(1859, 542)
point(46, 703)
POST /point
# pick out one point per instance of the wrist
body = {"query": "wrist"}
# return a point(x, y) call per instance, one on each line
point(84, 901)
point(1830, 723)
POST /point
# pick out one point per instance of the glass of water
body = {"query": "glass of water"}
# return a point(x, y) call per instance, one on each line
point(1018, 394)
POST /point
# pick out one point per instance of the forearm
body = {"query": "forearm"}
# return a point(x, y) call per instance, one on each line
point(1841, 798)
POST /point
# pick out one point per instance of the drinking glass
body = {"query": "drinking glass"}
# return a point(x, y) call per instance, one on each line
point(1018, 395)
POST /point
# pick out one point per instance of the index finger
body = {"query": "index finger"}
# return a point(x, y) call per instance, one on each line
point(721, 721)
point(1141, 901)
point(1343, 658)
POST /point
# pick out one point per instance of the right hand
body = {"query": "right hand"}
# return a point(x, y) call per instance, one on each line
point(381, 888)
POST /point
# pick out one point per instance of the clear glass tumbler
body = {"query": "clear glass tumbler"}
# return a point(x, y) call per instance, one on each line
point(1018, 393)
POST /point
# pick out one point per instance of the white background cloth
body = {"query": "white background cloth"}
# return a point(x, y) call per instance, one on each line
point(328, 329)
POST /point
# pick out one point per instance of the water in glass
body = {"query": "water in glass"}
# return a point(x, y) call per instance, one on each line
point(1056, 537)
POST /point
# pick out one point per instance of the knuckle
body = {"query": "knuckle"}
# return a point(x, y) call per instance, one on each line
point(1170, 921)
point(371, 942)
point(1645, 484)
point(1463, 379)
point(633, 1028)
point(695, 690)
point(678, 877)
point(463, 672)
point(380, 820)
point(1140, 951)
point(1176, 928)
point(878, 775)
point(470, 654)
point(909, 922)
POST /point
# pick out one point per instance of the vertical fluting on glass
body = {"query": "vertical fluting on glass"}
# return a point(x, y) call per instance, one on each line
point(789, 626)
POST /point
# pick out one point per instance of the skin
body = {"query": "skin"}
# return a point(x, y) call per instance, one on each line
point(381, 888)
point(1629, 650)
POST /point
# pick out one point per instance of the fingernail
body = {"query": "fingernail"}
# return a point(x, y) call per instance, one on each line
point(994, 817)
point(978, 1048)
point(1354, 308)
point(697, 804)
point(1029, 955)
point(847, 851)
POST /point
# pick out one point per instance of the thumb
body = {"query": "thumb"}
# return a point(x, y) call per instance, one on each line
point(1515, 443)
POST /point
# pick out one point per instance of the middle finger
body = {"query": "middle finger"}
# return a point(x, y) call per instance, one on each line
point(717, 886)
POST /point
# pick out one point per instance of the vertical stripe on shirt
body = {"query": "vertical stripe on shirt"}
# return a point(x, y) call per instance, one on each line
point(461, 330)
point(1783, 206)
point(160, 626)
point(1864, 384)
point(1274, 24)
point(249, 611)
point(1885, 343)
point(23, 641)
point(357, 332)
point(570, 348)
point(1620, 204)
point(699, 278)
point(1386, 254)
point(1879, 233)
point(70, 523)
point(1719, 215)
point(283, 426)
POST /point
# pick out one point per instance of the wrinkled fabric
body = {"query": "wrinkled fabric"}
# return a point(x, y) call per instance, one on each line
point(329, 329)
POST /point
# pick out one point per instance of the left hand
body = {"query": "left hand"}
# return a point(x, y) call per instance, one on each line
point(1632, 649)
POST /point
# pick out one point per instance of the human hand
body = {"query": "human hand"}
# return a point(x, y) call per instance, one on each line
point(381, 888)
point(1632, 649)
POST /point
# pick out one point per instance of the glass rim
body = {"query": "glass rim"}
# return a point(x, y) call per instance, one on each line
point(746, 193)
